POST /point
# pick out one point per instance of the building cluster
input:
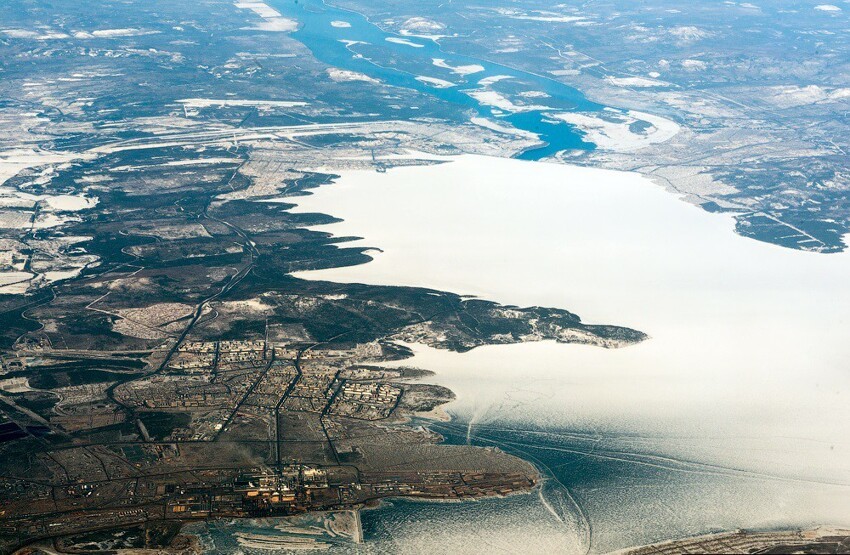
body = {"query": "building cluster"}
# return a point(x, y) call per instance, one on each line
point(271, 388)
point(360, 351)
point(288, 490)
point(443, 485)
point(184, 361)
point(204, 375)
point(233, 355)
point(216, 379)
point(12, 364)
point(206, 356)
point(240, 381)
point(176, 392)
point(313, 389)
point(369, 400)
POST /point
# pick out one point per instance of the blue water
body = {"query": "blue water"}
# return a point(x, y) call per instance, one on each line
point(399, 65)
point(603, 493)
point(598, 493)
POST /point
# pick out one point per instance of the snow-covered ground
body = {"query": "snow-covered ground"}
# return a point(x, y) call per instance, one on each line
point(493, 126)
point(487, 81)
point(209, 102)
point(434, 82)
point(500, 101)
point(538, 15)
point(113, 33)
point(70, 203)
point(791, 96)
point(14, 282)
point(405, 42)
point(615, 130)
point(340, 75)
point(423, 28)
point(14, 161)
point(272, 19)
point(641, 82)
point(468, 69)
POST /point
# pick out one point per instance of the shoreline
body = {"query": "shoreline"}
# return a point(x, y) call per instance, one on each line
point(766, 536)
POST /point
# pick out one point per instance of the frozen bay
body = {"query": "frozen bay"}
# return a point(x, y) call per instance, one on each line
point(744, 376)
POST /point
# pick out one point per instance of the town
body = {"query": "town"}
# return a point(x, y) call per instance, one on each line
point(240, 428)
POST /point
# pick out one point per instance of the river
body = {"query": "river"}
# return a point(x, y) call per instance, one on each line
point(363, 47)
